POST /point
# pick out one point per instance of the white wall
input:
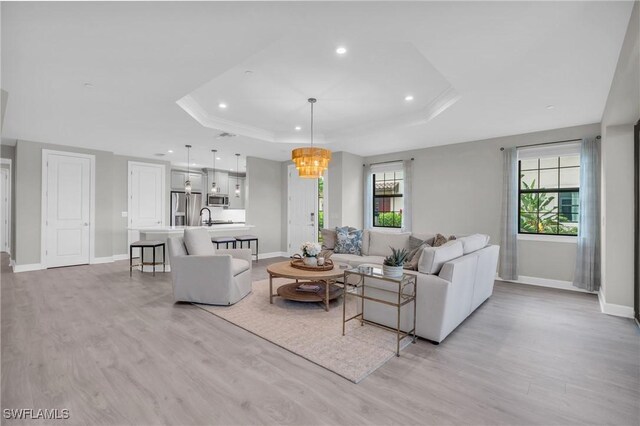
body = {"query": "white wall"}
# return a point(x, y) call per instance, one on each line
point(457, 190)
point(621, 112)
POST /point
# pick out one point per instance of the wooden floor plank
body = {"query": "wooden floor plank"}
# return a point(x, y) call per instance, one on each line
point(116, 350)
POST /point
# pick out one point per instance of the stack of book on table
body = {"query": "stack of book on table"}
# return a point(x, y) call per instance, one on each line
point(309, 287)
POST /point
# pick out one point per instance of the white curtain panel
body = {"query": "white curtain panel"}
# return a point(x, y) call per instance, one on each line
point(509, 226)
point(367, 221)
point(407, 213)
point(587, 273)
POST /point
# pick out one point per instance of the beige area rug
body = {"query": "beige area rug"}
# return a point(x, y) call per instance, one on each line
point(309, 331)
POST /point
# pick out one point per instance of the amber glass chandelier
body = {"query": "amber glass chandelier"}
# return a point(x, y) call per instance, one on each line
point(310, 161)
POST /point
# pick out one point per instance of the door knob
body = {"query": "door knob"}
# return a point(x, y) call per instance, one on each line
point(86, 224)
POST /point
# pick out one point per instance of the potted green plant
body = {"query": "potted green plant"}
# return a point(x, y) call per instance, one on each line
point(392, 265)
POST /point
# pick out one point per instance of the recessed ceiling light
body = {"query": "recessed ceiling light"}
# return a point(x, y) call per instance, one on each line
point(88, 85)
point(298, 128)
point(551, 106)
point(248, 72)
point(170, 151)
point(222, 105)
point(218, 158)
point(341, 50)
point(408, 98)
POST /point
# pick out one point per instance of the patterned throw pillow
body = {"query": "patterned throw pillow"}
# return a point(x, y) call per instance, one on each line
point(348, 241)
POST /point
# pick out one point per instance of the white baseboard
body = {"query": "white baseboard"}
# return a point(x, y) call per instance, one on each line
point(98, 260)
point(545, 282)
point(613, 309)
point(121, 257)
point(12, 262)
point(27, 268)
point(273, 254)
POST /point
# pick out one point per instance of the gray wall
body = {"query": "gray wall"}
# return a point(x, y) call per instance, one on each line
point(345, 190)
point(621, 112)
point(457, 190)
point(111, 200)
point(9, 152)
point(265, 202)
point(28, 199)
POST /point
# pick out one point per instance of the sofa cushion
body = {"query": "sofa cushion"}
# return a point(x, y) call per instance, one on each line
point(348, 241)
point(355, 260)
point(238, 266)
point(365, 242)
point(432, 258)
point(198, 242)
point(380, 243)
point(424, 236)
point(473, 242)
point(328, 239)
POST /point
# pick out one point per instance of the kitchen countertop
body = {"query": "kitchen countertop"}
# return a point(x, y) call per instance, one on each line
point(180, 229)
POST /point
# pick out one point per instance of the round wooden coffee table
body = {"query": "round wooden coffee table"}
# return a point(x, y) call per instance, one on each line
point(325, 279)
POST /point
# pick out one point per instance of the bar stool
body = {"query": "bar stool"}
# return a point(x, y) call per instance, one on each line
point(224, 240)
point(248, 239)
point(142, 244)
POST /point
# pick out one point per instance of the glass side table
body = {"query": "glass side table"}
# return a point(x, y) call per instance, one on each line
point(402, 291)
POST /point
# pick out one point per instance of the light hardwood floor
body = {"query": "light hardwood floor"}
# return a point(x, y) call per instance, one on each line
point(117, 350)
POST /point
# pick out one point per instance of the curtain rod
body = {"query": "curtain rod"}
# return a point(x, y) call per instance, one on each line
point(387, 162)
point(547, 143)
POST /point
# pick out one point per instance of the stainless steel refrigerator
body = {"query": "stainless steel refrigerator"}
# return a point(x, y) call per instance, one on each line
point(185, 208)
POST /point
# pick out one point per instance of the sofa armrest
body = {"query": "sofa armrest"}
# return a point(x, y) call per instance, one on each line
point(244, 254)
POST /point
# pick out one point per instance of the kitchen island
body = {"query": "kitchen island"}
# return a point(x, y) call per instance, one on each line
point(163, 233)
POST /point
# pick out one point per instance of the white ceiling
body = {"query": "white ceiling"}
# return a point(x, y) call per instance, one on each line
point(159, 71)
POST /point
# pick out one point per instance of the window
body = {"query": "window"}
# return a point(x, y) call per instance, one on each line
point(387, 199)
point(549, 191)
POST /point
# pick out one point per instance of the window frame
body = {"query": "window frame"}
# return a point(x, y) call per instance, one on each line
point(557, 190)
point(374, 197)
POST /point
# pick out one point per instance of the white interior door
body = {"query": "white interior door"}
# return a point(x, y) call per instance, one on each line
point(146, 197)
point(302, 210)
point(4, 209)
point(68, 188)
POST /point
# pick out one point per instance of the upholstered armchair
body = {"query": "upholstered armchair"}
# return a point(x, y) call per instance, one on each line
point(203, 274)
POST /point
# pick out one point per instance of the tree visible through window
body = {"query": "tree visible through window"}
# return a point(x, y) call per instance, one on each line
point(549, 191)
point(388, 188)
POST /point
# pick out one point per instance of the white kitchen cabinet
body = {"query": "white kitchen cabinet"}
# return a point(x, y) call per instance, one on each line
point(221, 179)
point(179, 177)
point(235, 202)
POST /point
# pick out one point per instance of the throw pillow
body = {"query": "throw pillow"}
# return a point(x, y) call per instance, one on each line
point(439, 240)
point(198, 242)
point(328, 239)
point(348, 241)
point(414, 257)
